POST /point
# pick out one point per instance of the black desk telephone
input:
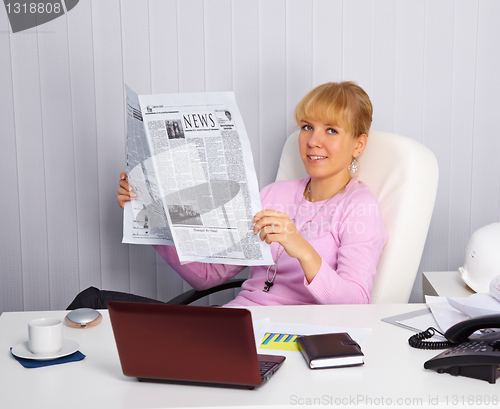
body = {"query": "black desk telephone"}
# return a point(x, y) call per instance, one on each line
point(474, 356)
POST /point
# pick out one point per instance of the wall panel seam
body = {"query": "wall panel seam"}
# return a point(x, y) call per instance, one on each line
point(204, 31)
point(97, 213)
point(43, 165)
point(474, 119)
point(17, 177)
point(74, 148)
point(125, 125)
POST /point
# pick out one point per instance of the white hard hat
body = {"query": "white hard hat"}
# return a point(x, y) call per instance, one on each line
point(482, 258)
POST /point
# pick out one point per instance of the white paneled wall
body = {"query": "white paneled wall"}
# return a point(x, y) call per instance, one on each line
point(431, 68)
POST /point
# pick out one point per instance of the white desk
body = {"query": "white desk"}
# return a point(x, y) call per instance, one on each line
point(392, 370)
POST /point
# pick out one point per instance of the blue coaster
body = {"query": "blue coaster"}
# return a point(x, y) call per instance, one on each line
point(33, 363)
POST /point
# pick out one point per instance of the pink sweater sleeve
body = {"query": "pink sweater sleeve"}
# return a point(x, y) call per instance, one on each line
point(360, 242)
point(199, 275)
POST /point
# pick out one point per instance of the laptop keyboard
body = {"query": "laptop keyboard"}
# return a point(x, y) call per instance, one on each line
point(265, 367)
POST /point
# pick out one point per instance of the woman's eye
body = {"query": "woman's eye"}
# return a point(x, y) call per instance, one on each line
point(331, 131)
point(307, 128)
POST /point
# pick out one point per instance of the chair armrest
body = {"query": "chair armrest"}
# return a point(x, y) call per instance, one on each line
point(192, 295)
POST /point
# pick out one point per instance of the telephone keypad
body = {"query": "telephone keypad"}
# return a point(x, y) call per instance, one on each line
point(468, 347)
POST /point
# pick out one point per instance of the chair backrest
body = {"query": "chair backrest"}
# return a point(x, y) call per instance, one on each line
point(403, 175)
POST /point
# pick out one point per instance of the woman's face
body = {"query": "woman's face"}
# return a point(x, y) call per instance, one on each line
point(327, 150)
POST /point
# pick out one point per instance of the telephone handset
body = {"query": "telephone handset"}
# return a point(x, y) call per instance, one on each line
point(473, 356)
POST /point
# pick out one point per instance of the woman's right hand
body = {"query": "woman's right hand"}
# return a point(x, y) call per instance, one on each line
point(125, 193)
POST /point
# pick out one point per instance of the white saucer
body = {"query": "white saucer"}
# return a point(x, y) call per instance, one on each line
point(22, 351)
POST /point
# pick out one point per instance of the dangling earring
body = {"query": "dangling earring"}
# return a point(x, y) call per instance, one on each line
point(353, 167)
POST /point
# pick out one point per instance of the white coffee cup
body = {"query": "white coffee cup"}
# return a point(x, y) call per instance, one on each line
point(45, 336)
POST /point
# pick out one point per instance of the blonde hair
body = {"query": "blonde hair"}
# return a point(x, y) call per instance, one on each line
point(337, 103)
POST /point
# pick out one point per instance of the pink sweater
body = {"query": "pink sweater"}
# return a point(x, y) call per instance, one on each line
point(348, 234)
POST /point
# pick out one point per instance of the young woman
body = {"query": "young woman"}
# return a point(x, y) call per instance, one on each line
point(325, 232)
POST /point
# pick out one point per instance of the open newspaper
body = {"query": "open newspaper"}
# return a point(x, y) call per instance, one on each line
point(189, 162)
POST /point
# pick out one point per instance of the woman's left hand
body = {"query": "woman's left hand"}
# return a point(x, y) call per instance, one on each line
point(274, 226)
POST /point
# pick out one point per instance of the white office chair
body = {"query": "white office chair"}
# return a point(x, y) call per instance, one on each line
point(403, 175)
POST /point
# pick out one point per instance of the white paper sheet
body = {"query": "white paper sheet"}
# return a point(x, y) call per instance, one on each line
point(476, 305)
point(444, 314)
point(448, 311)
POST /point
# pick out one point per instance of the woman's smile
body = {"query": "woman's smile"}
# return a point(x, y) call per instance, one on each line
point(315, 158)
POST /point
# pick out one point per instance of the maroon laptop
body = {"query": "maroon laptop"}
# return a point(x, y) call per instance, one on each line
point(190, 345)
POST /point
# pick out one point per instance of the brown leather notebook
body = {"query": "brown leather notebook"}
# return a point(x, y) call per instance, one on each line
point(330, 350)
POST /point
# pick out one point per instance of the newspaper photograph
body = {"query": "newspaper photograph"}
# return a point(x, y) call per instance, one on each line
point(193, 174)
